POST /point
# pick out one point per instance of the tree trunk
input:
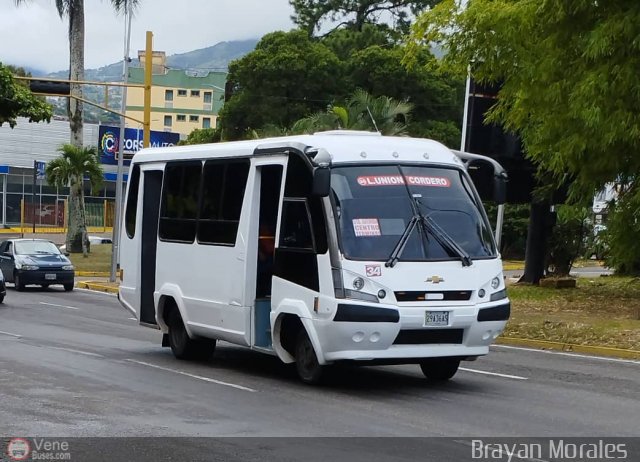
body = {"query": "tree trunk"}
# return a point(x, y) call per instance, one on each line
point(537, 236)
point(76, 69)
point(76, 217)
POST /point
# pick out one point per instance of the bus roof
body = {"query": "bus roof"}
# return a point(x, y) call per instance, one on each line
point(345, 146)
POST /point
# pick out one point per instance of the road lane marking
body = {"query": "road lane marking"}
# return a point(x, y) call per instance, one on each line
point(96, 292)
point(564, 353)
point(10, 334)
point(60, 306)
point(506, 376)
point(72, 350)
point(199, 377)
point(134, 319)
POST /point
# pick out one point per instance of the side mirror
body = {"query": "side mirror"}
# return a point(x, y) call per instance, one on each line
point(500, 189)
point(321, 186)
point(66, 254)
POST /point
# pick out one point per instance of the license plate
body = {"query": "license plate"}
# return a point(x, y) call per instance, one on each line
point(436, 318)
point(50, 277)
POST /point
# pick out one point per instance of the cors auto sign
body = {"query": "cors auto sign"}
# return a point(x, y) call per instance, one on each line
point(108, 142)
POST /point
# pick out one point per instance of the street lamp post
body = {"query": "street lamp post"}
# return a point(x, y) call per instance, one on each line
point(118, 209)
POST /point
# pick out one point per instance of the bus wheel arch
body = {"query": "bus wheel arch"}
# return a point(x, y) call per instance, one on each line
point(293, 343)
point(182, 344)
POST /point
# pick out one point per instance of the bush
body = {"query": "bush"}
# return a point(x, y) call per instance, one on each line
point(567, 240)
point(623, 232)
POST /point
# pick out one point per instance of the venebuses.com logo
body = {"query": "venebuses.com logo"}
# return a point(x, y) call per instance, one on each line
point(18, 449)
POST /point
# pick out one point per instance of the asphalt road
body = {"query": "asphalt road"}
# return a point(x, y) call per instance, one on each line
point(77, 365)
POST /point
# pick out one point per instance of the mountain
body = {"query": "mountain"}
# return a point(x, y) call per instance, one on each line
point(215, 58)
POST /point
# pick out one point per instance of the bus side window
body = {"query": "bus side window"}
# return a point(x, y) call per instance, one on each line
point(296, 226)
point(132, 203)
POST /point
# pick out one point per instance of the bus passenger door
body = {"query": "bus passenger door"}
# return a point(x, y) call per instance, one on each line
point(149, 243)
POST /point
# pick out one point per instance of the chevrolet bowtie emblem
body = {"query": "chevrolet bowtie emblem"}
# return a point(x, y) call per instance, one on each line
point(435, 279)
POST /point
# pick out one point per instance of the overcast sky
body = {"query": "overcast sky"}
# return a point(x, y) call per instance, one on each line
point(34, 35)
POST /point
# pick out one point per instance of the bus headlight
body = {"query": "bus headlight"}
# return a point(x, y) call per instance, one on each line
point(495, 282)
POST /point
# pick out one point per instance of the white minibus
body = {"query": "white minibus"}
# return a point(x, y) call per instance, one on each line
point(340, 246)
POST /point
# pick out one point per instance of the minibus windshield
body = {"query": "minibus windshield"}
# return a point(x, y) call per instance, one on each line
point(375, 205)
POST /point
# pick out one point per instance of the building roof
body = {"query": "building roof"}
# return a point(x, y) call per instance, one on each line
point(178, 78)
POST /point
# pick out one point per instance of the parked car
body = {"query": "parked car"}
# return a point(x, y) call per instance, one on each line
point(35, 261)
point(3, 288)
point(93, 240)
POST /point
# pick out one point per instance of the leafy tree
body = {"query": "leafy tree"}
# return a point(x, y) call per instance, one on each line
point(568, 75)
point(310, 15)
point(362, 112)
point(70, 169)
point(73, 10)
point(437, 99)
point(17, 101)
point(285, 78)
point(623, 229)
point(203, 136)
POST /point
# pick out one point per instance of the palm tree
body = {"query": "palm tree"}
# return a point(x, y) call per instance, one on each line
point(74, 10)
point(70, 169)
point(362, 112)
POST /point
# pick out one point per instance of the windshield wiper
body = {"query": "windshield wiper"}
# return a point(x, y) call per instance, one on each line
point(442, 237)
point(402, 242)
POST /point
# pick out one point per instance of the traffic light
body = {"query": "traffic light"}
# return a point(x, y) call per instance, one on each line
point(50, 87)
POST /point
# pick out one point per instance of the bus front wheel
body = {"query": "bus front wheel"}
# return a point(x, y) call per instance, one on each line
point(439, 369)
point(184, 347)
point(309, 369)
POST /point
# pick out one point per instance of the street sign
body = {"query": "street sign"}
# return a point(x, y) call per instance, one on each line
point(40, 169)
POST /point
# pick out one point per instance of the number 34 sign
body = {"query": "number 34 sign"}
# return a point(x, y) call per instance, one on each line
point(373, 270)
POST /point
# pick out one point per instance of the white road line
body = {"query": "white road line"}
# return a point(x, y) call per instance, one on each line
point(134, 319)
point(10, 334)
point(199, 377)
point(71, 350)
point(564, 353)
point(506, 376)
point(60, 306)
point(96, 292)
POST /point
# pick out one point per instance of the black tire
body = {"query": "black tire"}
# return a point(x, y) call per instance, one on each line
point(68, 287)
point(1, 298)
point(44, 286)
point(184, 347)
point(309, 369)
point(18, 283)
point(440, 369)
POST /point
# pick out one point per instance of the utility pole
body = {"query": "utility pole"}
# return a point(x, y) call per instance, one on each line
point(123, 108)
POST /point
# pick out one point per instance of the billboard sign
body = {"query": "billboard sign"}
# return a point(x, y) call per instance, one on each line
point(108, 142)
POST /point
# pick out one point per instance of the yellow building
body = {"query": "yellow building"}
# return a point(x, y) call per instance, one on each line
point(181, 101)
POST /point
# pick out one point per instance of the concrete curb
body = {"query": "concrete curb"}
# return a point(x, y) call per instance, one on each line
point(96, 286)
point(570, 347)
point(93, 274)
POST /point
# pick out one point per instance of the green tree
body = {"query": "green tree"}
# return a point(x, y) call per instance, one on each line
point(569, 78)
point(203, 136)
point(17, 101)
point(285, 78)
point(310, 15)
point(361, 112)
point(623, 229)
point(73, 10)
point(70, 169)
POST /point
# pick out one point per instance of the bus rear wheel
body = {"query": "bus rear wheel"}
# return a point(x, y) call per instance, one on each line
point(309, 369)
point(440, 369)
point(184, 347)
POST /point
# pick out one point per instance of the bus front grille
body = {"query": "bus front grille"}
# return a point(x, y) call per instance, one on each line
point(429, 336)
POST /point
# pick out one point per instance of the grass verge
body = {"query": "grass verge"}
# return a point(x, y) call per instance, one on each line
point(602, 311)
point(99, 259)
